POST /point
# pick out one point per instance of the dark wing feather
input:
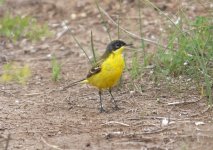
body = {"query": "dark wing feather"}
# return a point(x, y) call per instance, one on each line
point(97, 67)
point(94, 70)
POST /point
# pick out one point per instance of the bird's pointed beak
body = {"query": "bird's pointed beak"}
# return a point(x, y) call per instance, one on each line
point(130, 45)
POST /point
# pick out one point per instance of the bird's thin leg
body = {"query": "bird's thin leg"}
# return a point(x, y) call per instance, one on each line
point(101, 104)
point(113, 100)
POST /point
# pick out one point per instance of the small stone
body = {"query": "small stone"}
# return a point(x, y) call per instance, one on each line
point(73, 16)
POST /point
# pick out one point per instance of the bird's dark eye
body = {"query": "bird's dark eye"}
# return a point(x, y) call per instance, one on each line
point(117, 45)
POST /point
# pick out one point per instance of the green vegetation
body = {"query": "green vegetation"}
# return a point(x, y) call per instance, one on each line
point(16, 73)
point(135, 66)
point(16, 27)
point(194, 47)
point(2, 2)
point(56, 69)
point(190, 53)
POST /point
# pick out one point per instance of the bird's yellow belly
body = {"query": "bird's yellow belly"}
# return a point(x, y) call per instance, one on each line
point(111, 71)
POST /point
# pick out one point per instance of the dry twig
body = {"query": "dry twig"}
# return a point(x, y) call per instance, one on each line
point(182, 102)
point(50, 145)
point(158, 130)
point(115, 122)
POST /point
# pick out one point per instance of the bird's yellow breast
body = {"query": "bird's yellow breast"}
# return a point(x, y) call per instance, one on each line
point(111, 71)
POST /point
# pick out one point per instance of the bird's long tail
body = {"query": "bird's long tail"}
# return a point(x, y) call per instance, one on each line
point(74, 83)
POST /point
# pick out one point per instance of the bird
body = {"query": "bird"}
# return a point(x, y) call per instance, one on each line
point(107, 71)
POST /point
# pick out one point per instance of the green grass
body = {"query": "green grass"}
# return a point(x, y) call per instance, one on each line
point(56, 69)
point(2, 2)
point(192, 55)
point(189, 52)
point(15, 73)
point(135, 66)
point(17, 27)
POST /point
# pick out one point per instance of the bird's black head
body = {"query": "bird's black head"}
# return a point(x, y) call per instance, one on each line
point(114, 45)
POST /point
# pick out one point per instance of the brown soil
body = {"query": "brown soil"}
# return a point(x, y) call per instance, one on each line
point(40, 116)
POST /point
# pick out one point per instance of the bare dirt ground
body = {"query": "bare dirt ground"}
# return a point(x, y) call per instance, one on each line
point(37, 116)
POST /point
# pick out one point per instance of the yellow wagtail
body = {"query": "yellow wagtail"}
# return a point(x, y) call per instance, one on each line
point(107, 71)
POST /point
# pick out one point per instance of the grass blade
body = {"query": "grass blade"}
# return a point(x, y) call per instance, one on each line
point(93, 50)
point(102, 18)
point(79, 45)
point(141, 33)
